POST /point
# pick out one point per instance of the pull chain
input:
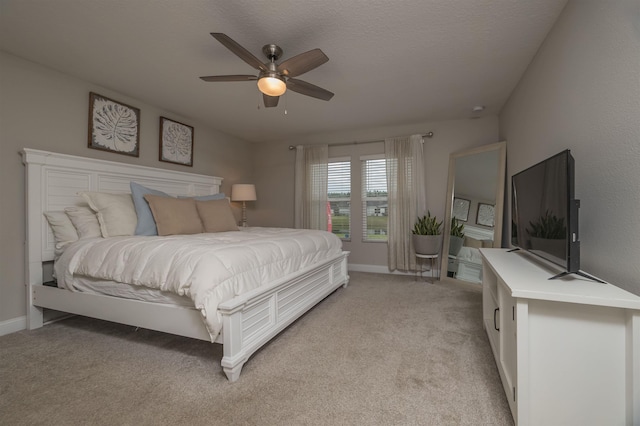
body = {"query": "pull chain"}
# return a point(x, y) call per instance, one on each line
point(285, 103)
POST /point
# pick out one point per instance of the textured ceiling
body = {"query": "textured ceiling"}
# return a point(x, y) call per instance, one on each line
point(391, 62)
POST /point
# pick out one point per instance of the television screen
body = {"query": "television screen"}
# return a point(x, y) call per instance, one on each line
point(544, 212)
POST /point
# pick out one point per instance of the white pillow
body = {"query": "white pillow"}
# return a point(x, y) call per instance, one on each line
point(63, 231)
point(116, 212)
point(85, 221)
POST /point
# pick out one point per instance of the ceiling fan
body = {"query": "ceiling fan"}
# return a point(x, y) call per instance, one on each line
point(274, 79)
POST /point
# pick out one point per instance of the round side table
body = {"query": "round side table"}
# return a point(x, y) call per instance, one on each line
point(432, 258)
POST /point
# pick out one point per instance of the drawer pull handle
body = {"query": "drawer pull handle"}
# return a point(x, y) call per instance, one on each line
point(495, 323)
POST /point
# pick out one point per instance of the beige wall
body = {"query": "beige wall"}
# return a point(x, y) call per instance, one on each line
point(43, 109)
point(274, 172)
point(582, 92)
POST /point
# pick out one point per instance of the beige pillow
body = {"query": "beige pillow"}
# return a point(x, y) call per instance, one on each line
point(174, 215)
point(63, 231)
point(216, 215)
point(116, 213)
point(85, 221)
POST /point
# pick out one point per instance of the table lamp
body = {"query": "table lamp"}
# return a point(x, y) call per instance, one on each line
point(243, 192)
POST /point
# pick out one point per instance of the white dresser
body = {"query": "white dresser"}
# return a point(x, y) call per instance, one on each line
point(568, 350)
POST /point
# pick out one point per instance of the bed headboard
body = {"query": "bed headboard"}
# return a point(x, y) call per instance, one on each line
point(54, 180)
point(478, 233)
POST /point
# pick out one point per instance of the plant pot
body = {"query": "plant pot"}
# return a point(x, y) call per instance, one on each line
point(427, 244)
point(455, 244)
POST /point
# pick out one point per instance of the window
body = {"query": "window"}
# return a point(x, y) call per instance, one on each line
point(374, 199)
point(339, 194)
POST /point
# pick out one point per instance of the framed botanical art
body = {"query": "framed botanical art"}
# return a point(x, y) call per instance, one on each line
point(461, 209)
point(113, 126)
point(176, 142)
point(485, 214)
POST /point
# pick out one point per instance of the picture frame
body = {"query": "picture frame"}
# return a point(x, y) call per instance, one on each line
point(486, 214)
point(460, 209)
point(113, 126)
point(176, 142)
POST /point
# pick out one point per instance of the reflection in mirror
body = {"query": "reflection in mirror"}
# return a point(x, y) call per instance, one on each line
point(474, 208)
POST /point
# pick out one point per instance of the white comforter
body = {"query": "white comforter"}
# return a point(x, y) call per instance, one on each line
point(208, 268)
point(470, 254)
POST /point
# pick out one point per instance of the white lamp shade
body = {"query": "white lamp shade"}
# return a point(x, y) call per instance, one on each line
point(243, 192)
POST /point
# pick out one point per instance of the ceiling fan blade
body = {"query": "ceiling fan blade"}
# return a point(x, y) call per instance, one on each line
point(302, 63)
point(238, 77)
point(240, 51)
point(270, 101)
point(308, 89)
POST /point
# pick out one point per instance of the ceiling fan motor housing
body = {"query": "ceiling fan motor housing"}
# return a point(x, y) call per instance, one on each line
point(271, 72)
point(272, 51)
point(271, 82)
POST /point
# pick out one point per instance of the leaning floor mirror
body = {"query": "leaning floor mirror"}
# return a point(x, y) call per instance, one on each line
point(473, 219)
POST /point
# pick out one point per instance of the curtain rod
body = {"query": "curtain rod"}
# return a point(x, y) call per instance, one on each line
point(426, 135)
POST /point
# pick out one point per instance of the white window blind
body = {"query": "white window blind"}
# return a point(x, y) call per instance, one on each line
point(339, 195)
point(374, 200)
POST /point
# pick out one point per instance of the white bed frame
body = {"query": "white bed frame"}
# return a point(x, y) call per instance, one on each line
point(249, 321)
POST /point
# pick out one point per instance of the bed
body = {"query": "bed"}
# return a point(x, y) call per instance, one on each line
point(467, 264)
point(246, 321)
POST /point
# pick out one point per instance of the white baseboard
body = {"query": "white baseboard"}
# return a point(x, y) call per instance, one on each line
point(13, 325)
point(378, 269)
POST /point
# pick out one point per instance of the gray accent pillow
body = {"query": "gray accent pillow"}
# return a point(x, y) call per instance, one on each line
point(146, 224)
point(218, 196)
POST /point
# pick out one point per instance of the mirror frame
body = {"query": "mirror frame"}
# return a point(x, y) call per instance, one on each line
point(501, 147)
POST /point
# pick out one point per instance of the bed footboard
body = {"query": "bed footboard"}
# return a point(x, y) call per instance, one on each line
point(251, 320)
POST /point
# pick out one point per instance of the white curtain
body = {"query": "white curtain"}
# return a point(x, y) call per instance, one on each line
point(311, 187)
point(407, 199)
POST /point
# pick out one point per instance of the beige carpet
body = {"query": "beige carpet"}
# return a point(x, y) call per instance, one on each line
point(387, 350)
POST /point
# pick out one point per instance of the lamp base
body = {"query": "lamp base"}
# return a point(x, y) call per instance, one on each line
point(244, 214)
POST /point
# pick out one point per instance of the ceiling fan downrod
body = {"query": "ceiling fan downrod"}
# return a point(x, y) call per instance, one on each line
point(272, 51)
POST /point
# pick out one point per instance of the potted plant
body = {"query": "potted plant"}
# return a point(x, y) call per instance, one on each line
point(456, 236)
point(427, 236)
point(548, 234)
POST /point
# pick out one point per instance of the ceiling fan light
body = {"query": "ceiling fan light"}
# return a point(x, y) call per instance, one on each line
point(272, 86)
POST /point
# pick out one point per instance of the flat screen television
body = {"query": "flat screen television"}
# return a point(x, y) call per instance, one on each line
point(544, 212)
